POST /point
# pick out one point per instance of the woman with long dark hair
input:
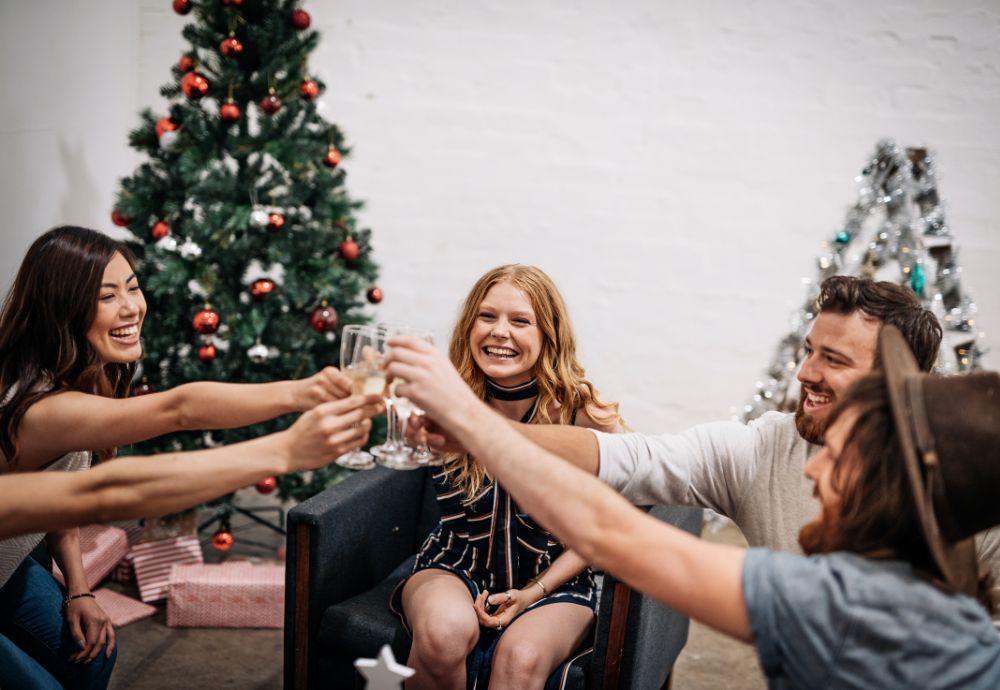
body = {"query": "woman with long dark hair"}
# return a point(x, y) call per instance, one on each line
point(69, 344)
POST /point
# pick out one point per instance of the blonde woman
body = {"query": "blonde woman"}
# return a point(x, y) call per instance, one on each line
point(488, 563)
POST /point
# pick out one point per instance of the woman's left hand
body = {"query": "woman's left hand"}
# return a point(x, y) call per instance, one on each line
point(91, 627)
point(509, 604)
point(325, 385)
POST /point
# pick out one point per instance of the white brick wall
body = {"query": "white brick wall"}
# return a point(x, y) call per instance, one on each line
point(673, 165)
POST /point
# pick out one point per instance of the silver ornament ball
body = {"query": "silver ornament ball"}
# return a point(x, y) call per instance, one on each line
point(258, 218)
point(258, 353)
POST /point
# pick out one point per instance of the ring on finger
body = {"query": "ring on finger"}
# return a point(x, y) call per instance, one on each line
point(509, 597)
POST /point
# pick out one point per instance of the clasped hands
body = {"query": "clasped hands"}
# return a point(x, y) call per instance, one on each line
point(508, 605)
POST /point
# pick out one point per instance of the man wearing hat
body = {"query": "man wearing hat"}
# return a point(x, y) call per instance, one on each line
point(888, 597)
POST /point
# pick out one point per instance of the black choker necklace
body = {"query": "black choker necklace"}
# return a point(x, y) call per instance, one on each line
point(523, 391)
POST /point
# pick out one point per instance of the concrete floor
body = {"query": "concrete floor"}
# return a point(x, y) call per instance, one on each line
point(155, 657)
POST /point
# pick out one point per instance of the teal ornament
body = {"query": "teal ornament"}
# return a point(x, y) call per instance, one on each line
point(843, 237)
point(918, 280)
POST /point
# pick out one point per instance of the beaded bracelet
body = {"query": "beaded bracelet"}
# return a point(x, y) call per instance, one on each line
point(70, 598)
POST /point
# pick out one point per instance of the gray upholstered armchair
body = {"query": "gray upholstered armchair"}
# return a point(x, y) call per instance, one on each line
point(351, 544)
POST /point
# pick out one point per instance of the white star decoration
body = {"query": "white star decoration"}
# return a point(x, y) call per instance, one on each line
point(383, 672)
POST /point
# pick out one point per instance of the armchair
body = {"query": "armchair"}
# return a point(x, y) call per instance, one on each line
point(349, 546)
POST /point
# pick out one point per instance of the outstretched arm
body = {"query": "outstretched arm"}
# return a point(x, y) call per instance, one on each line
point(140, 486)
point(572, 443)
point(698, 579)
point(92, 422)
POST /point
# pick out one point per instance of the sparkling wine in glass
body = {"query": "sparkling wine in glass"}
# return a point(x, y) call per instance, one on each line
point(359, 362)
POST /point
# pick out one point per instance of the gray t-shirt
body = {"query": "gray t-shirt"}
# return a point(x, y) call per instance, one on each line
point(843, 621)
point(752, 473)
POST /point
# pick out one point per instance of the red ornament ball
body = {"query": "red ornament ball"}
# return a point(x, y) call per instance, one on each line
point(375, 295)
point(270, 104)
point(275, 221)
point(300, 19)
point(119, 218)
point(142, 388)
point(207, 353)
point(186, 63)
point(194, 85)
point(165, 124)
point(206, 321)
point(229, 112)
point(182, 6)
point(323, 319)
point(234, 3)
point(332, 158)
point(266, 485)
point(223, 540)
point(261, 287)
point(231, 46)
point(160, 229)
point(309, 89)
point(349, 250)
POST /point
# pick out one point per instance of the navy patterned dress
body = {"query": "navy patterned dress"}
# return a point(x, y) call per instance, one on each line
point(491, 544)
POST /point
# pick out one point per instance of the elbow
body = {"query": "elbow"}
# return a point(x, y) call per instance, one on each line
point(181, 410)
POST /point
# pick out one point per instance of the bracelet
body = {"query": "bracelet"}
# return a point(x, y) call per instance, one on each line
point(541, 584)
point(68, 599)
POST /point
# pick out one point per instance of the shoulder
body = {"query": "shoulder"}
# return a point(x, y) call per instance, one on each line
point(585, 419)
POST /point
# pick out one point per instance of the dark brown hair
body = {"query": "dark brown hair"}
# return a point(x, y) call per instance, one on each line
point(890, 304)
point(877, 512)
point(44, 322)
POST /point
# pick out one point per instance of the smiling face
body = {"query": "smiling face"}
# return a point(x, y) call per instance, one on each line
point(505, 338)
point(121, 308)
point(839, 350)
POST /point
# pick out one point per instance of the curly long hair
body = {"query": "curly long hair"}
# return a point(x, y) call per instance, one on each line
point(43, 327)
point(562, 382)
point(877, 513)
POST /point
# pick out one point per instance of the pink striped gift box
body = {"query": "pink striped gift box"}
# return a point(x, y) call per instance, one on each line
point(227, 595)
point(102, 547)
point(123, 571)
point(122, 609)
point(152, 561)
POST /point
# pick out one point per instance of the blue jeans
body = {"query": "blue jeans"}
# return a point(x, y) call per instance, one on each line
point(35, 641)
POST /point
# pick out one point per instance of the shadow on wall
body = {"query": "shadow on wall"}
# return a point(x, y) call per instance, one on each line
point(81, 199)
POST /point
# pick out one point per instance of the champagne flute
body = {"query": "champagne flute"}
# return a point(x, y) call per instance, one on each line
point(422, 454)
point(393, 451)
point(359, 362)
point(399, 456)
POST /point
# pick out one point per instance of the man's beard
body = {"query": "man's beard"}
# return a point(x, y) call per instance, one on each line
point(809, 428)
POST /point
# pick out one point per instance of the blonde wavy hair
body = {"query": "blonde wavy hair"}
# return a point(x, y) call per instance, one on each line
point(562, 383)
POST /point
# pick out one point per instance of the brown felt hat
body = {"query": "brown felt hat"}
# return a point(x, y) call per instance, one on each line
point(949, 430)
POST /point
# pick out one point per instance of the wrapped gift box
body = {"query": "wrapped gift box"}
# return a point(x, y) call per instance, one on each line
point(102, 548)
point(124, 572)
point(227, 595)
point(152, 561)
point(122, 609)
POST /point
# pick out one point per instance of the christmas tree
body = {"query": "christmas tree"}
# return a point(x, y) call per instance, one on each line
point(250, 256)
point(895, 231)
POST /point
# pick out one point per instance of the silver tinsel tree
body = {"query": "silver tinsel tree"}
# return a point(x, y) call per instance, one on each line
point(896, 231)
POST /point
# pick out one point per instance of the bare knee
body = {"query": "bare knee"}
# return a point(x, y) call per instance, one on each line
point(519, 663)
point(444, 641)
